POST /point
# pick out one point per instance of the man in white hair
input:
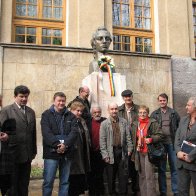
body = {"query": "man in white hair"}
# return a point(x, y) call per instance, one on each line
point(96, 183)
point(116, 146)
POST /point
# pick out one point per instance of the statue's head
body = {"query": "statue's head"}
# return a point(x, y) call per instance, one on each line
point(101, 40)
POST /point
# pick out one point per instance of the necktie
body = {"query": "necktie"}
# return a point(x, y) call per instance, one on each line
point(23, 109)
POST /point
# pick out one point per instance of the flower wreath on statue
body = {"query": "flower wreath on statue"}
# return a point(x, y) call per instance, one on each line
point(106, 64)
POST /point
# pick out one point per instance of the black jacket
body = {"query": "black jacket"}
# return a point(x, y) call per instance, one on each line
point(50, 132)
point(174, 120)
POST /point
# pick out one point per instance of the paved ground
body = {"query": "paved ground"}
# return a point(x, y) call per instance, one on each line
point(35, 188)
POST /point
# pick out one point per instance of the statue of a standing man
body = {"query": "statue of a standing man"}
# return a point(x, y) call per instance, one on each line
point(100, 43)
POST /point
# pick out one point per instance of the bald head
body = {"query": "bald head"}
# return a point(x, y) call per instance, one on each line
point(84, 92)
point(113, 110)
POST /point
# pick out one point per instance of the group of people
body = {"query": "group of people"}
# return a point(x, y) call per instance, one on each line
point(84, 146)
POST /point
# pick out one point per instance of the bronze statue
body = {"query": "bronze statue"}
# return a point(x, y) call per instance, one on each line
point(100, 43)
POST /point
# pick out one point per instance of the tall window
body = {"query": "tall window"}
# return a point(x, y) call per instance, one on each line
point(194, 22)
point(133, 25)
point(39, 22)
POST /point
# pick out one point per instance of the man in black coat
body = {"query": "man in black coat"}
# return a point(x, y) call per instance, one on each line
point(59, 131)
point(6, 154)
point(84, 93)
point(24, 142)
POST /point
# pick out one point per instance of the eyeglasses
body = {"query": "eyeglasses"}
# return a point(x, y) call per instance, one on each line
point(142, 112)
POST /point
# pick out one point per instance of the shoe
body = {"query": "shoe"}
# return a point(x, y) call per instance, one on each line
point(175, 194)
point(163, 194)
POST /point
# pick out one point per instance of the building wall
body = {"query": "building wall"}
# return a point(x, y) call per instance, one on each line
point(184, 81)
point(174, 26)
point(47, 70)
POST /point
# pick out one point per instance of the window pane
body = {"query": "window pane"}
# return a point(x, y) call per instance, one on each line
point(125, 1)
point(117, 38)
point(194, 20)
point(117, 1)
point(21, 1)
point(126, 47)
point(146, 12)
point(125, 15)
point(138, 11)
point(147, 49)
point(57, 2)
point(20, 30)
point(47, 2)
point(138, 2)
point(31, 39)
point(117, 46)
point(58, 13)
point(57, 41)
point(138, 22)
point(33, 1)
point(195, 30)
point(126, 39)
point(147, 3)
point(21, 10)
point(46, 40)
point(47, 12)
point(116, 14)
point(57, 33)
point(31, 31)
point(147, 24)
point(139, 48)
point(46, 32)
point(32, 10)
point(138, 40)
point(20, 38)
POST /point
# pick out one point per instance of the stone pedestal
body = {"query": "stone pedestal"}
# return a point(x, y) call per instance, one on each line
point(99, 86)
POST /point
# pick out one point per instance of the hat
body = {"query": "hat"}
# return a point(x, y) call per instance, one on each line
point(126, 93)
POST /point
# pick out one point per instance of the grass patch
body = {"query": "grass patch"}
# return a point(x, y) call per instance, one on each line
point(37, 172)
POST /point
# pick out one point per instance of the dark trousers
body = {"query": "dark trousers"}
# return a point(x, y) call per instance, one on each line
point(20, 179)
point(133, 174)
point(77, 184)
point(118, 169)
point(96, 183)
point(5, 183)
point(185, 177)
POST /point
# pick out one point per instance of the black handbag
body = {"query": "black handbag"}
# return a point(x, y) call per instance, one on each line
point(156, 153)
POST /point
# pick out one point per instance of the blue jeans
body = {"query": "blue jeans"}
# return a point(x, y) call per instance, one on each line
point(162, 170)
point(50, 169)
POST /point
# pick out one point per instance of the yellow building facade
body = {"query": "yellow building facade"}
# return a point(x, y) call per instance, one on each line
point(152, 26)
point(45, 44)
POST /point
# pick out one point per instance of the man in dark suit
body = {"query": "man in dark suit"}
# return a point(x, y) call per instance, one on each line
point(24, 141)
point(186, 159)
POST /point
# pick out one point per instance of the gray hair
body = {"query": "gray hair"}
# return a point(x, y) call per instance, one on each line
point(95, 107)
point(193, 99)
